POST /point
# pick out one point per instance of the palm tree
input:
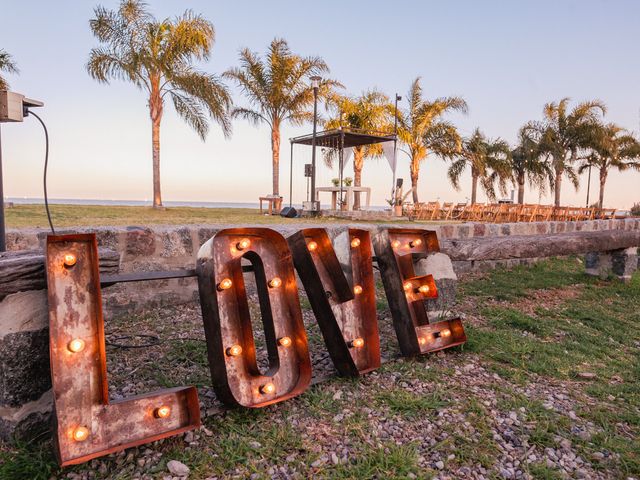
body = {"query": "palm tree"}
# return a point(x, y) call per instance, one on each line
point(6, 65)
point(370, 112)
point(157, 57)
point(612, 147)
point(527, 164)
point(564, 136)
point(422, 130)
point(278, 91)
point(488, 160)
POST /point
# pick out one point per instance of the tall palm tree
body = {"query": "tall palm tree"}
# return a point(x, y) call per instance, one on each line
point(6, 65)
point(422, 130)
point(527, 164)
point(278, 91)
point(157, 56)
point(612, 147)
point(564, 135)
point(369, 112)
point(488, 160)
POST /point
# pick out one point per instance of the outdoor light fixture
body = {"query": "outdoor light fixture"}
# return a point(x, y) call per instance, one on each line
point(243, 244)
point(355, 243)
point(315, 85)
point(267, 388)
point(76, 345)
point(227, 319)
point(338, 279)
point(69, 260)
point(312, 246)
point(162, 412)
point(234, 351)
point(225, 284)
point(13, 108)
point(416, 333)
point(80, 434)
point(82, 409)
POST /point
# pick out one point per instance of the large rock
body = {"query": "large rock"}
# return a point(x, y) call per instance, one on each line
point(25, 381)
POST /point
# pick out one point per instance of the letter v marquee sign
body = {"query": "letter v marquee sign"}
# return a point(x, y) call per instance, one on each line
point(345, 308)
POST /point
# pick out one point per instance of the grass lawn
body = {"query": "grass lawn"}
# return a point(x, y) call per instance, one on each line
point(22, 216)
point(547, 387)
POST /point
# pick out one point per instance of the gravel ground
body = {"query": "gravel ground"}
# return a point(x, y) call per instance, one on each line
point(448, 415)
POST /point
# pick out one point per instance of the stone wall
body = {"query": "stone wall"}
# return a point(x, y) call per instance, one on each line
point(176, 247)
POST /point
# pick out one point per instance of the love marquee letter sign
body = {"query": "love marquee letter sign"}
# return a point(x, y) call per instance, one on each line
point(338, 278)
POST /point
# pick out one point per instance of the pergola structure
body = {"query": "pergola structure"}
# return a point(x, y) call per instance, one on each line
point(339, 139)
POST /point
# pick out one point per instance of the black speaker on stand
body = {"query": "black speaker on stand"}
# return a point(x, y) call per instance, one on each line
point(289, 212)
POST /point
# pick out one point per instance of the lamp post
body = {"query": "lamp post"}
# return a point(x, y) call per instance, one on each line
point(3, 242)
point(315, 83)
point(395, 149)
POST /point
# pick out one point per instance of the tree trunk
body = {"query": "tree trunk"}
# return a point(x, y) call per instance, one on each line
point(474, 187)
point(358, 163)
point(603, 181)
point(415, 172)
point(155, 110)
point(521, 189)
point(275, 156)
point(558, 186)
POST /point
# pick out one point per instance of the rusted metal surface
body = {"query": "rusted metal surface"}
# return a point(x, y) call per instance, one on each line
point(227, 322)
point(397, 250)
point(87, 424)
point(342, 295)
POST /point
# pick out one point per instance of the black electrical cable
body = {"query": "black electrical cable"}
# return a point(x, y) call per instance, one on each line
point(46, 164)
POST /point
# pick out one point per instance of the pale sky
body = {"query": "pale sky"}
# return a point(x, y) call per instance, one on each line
point(505, 58)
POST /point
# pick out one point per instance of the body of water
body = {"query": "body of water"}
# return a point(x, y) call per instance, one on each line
point(144, 203)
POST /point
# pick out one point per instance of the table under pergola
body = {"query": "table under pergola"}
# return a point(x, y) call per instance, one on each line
point(339, 139)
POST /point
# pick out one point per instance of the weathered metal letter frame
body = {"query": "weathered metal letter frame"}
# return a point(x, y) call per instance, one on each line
point(86, 424)
point(343, 316)
point(237, 379)
point(396, 251)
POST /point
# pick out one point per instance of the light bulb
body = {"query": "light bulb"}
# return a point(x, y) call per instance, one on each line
point(80, 434)
point(242, 244)
point(234, 350)
point(357, 343)
point(424, 289)
point(76, 345)
point(268, 388)
point(312, 246)
point(275, 282)
point(395, 244)
point(69, 260)
point(162, 412)
point(407, 286)
point(355, 242)
point(357, 289)
point(422, 340)
point(285, 341)
point(225, 284)
point(445, 333)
